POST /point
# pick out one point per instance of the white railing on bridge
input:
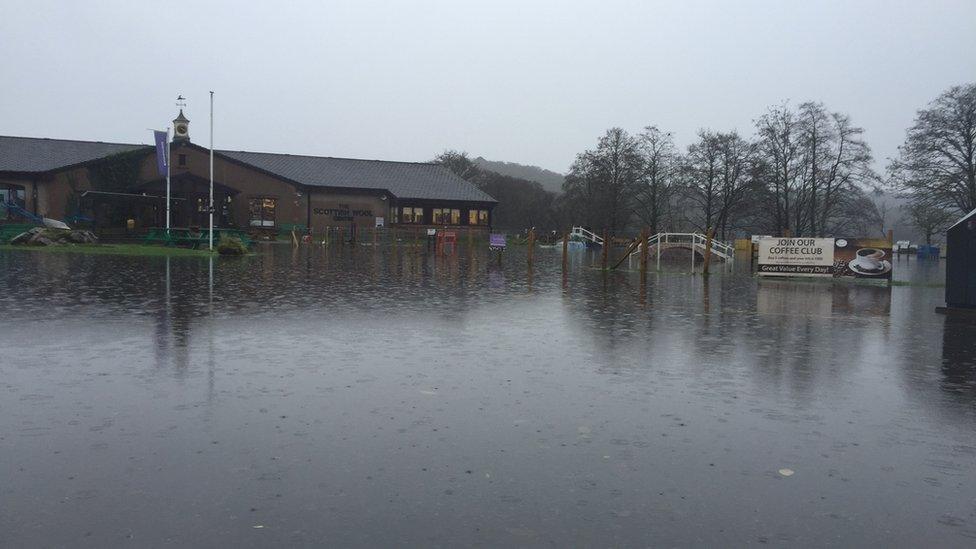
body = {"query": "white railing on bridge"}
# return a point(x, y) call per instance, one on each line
point(579, 233)
point(694, 242)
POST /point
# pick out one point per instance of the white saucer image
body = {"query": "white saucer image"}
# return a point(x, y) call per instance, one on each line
point(885, 267)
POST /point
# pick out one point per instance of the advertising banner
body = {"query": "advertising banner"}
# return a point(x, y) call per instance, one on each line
point(796, 256)
point(825, 257)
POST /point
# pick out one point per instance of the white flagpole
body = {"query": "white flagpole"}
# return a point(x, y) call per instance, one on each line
point(211, 171)
point(168, 170)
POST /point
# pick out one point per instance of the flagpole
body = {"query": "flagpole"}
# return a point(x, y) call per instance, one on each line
point(168, 164)
point(211, 171)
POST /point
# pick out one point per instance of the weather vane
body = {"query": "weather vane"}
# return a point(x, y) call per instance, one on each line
point(180, 101)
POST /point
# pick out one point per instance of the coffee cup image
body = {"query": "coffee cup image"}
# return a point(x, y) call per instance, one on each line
point(869, 260)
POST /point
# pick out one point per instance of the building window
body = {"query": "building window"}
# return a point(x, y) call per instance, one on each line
point(263, 212)
point(477, 217)
point(411, 215)
point(447, 216)
point(202, 204)
point(182, 158)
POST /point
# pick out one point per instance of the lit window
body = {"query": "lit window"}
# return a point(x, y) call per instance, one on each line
point(447, 216)
point(411, 215)
point(263, 212)
point(477, 217)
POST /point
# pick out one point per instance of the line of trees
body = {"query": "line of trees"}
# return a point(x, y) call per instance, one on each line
point(805, 171)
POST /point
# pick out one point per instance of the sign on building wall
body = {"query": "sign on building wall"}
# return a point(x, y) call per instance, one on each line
point(343, 212)
point(824, 257)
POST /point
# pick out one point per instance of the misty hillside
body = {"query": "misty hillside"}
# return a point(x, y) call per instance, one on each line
point(550, 180)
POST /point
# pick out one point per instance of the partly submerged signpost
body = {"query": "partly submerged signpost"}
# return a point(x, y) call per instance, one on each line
point(496, 241)
point(825, 257)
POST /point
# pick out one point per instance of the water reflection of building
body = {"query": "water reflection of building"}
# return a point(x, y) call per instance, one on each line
point(959, 358)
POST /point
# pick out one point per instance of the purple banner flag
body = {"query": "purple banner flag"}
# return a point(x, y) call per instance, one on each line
point(161, 160)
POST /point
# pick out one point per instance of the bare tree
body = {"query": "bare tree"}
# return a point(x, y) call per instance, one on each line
point(780, 146)
point(937, 162)
point(601, 183)
point(652, 197)
point(703, 176)
point(837, 164)
point(735, 154)
point(928, 218)
point(717, 173)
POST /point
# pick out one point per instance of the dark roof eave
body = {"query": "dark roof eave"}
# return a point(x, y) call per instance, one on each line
point(21, 174)
point(447, 200)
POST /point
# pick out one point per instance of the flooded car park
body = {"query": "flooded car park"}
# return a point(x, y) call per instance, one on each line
point(364, 397)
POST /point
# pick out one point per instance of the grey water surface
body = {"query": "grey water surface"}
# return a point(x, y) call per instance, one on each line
point(352, 397)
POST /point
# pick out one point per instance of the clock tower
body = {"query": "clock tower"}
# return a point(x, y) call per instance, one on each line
point(181, 128)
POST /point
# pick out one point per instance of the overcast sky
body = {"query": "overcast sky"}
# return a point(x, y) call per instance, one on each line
point(521, 81)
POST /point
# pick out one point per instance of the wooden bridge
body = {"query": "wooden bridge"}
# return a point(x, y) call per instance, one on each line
point(696, 243)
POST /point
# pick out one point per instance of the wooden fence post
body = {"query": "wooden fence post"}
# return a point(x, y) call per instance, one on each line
point(606, 248)
point(708, 250)
point(565, 250)
point(643, 252)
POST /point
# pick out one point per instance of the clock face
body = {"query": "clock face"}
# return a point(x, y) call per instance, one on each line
point(181, 129)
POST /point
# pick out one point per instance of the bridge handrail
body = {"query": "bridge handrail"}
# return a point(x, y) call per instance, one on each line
point(697, 241)
point(586, 235)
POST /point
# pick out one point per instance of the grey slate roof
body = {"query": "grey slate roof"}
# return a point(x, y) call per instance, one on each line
point(36, 154)
point(404, 179)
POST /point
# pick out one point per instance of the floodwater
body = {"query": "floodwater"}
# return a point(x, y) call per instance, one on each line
point(352, 397)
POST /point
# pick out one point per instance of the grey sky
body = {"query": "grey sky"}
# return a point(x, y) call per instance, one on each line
point(528, 82)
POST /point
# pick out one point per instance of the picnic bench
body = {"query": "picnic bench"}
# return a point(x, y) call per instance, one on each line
point(193, 238)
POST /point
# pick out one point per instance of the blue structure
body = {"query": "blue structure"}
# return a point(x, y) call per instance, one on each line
point(15, 209)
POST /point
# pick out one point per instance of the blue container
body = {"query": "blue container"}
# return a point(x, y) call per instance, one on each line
point(928, 251)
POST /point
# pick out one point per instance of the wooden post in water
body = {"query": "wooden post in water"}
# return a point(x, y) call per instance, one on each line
point(643, 252)
point(565, 250)
point(606, 249)
point(658, 245)
point(708, 250)
point(531, 244)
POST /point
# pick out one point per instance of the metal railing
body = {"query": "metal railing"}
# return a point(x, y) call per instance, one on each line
point(584, 234)
point(695, 242)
